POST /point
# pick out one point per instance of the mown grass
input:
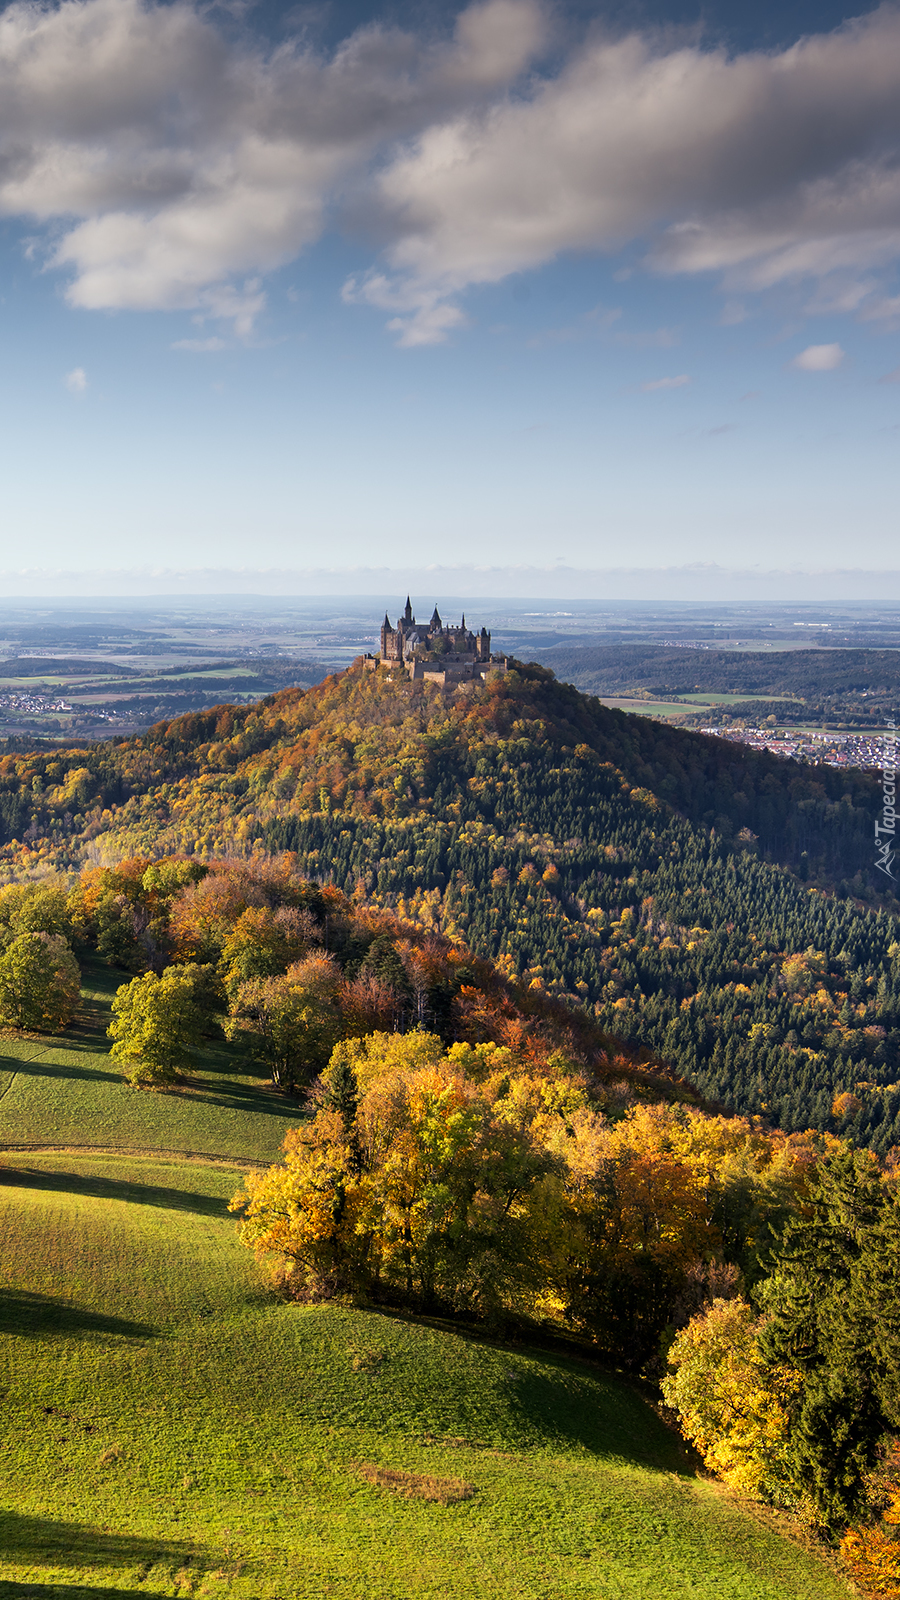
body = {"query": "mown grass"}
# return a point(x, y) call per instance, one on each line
point(174, 1430)
point(67, 1091)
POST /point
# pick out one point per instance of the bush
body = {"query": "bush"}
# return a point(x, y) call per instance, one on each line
point(40, 983)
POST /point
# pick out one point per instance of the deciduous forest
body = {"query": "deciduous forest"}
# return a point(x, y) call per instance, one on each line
point(715, 905)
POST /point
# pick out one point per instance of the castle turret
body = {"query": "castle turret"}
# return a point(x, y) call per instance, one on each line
point(389, 640)
point(408, 615)
point(435, 625)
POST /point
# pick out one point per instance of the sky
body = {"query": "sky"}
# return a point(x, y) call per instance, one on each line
point(295, 296)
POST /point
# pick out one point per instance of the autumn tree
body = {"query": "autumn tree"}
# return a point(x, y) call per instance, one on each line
point(264, 942)
point(157, 1022)
point(292, 1020)
point(646, 1219)
point(306, 1211)
point(731, 1405)
point(40, 983)
point(421, 1191)
point(871, 1550)
point(40, 907)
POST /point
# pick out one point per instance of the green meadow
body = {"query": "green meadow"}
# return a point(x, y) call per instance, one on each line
point(172, 1428)
point(67, 1092)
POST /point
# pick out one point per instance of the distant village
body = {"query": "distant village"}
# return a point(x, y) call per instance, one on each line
point(814, 749)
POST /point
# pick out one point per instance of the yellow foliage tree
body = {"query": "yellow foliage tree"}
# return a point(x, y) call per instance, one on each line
point(426, 1197)
point(730, 1405)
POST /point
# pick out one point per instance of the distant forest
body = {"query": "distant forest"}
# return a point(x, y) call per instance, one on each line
point(817, 674)
point(835, 689)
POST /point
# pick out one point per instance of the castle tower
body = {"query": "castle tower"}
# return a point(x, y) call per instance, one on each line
point(408, 615)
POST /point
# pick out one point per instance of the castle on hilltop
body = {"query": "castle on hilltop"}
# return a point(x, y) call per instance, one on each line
point(437, 651)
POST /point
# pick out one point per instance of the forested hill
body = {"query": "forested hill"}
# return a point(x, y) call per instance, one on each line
point(620, 862)
point(611, 669)
point(380, 749)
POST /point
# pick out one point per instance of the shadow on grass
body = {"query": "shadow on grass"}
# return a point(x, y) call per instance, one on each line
point(72, 1544)
point(564, 1400)
point(220, 1078)
point(27, 1314)
point(70, 1591)
point(100, 1187)
point(240, 1097)
point(39, 1067)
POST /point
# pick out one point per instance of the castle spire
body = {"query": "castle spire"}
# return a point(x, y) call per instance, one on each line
point(408, 616)
point(463, 623)
point(435, 625)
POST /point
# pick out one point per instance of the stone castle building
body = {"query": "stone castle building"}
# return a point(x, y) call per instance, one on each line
point(437, 651)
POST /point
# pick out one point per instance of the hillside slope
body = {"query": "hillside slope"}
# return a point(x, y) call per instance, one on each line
point(386, 749)
point(612, 860)
point(67, 1092)
point(171, 1429)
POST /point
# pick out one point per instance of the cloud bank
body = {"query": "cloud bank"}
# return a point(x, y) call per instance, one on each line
point(172, 167)
point(572, 586)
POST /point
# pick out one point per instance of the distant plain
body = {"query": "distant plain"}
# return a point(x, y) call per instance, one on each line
point(119, 666)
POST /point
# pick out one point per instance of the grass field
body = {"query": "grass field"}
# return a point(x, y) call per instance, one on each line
point(173, 1429)
point(708, 698)
point(644, 708)
point(67, 1091)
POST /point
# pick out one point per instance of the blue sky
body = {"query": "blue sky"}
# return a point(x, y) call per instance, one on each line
point(509, 286)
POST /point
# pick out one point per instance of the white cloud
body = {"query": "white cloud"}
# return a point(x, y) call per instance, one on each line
point(819, 358)
point(178, 162)
point(172, 166)
point(426, 316)
point(767, 166)
point(884, 309)
point(666, 383)
point(76, 380)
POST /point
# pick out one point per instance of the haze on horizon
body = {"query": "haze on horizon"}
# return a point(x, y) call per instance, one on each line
point(506, 288)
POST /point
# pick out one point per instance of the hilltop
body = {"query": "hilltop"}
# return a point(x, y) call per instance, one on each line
point(677, 886)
